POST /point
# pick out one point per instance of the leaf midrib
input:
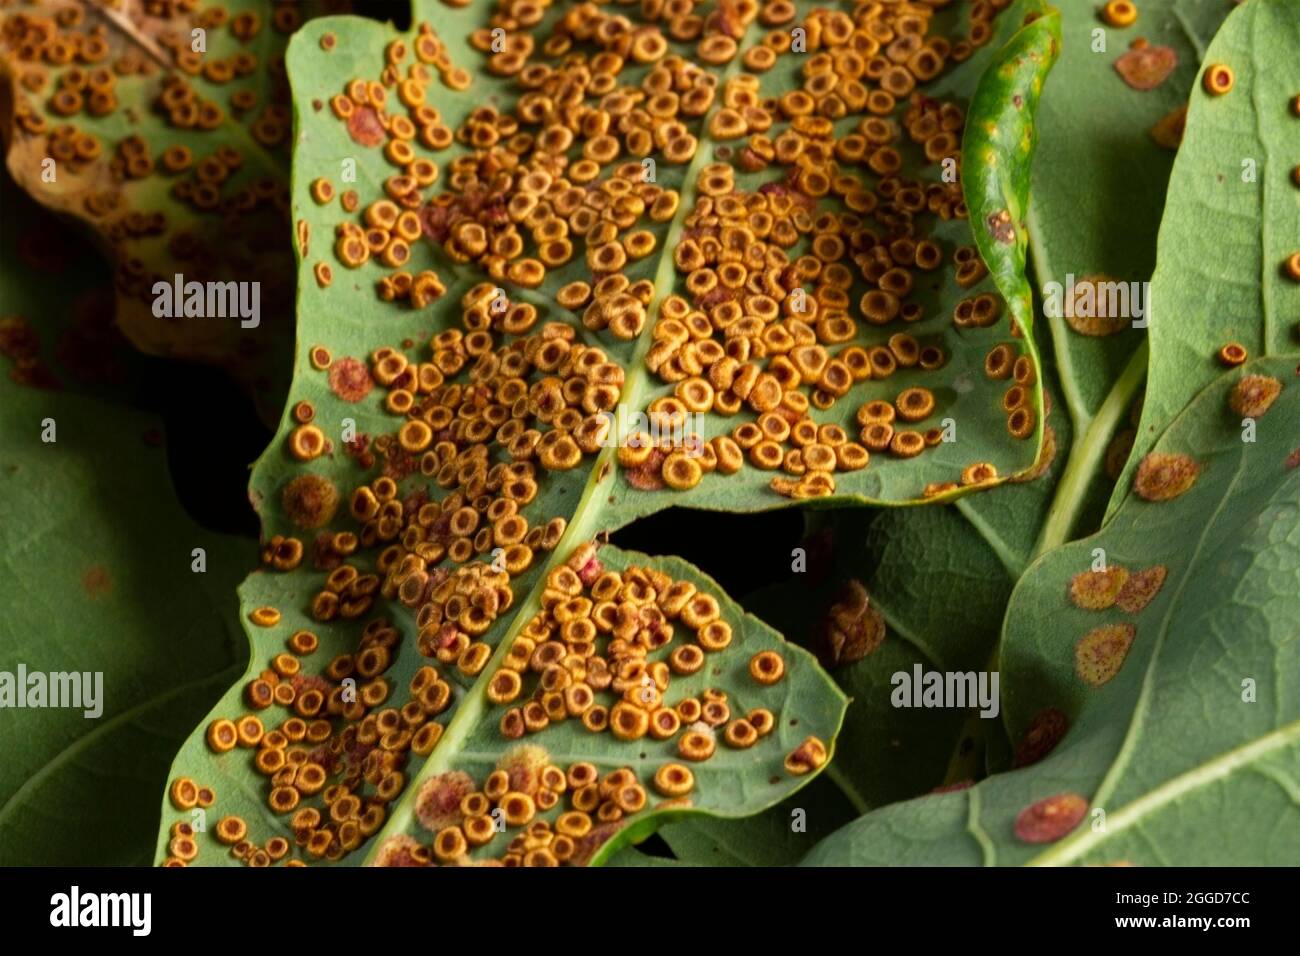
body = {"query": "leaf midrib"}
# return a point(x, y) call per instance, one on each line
point(1075, 845)
point(1079, 843)
point(1082, 841)
point(1140, 709)
point(586, 512)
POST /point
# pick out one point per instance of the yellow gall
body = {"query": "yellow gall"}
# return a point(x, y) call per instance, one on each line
point(1217, 79)
point(766, 667)
point(184, 793)
point(1232, 354)
point(674, 780)
point(1119, 13)
point(230, 830)
point(264, 616)
point(808, 756)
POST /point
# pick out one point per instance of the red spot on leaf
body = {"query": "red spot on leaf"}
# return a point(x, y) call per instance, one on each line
point(1041, 737)
point(647, 476)
point(1000, 227)
point(365, 128)
point(96, 581)
point(350, 379)
point(398, 851)
point(591, 570)
point(1147, 68)
point(435, 221)
point(1051, 818)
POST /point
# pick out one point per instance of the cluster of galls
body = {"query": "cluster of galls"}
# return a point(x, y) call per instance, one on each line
point(466, 816)
point(357, 769)
point(636, 612)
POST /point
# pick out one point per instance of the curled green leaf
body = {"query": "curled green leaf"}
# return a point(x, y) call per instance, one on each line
point(1141, 663)
point(400, 508)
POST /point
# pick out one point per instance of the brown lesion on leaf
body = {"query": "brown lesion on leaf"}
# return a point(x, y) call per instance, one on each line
point(438, 801)
point(1044, 732)
point(1254, 395)
point(1168, 130)
point(523, 765)
point(365, 127)
point(1100, 653)
point(1145, 68)
point(1051, 818)
point(310, 501)
point(1000, 227)
point(1163, 476)
point(20, 344)
point(852, 628)
point(1141, 588)
point(96, 581)
point(647, 475)
point(349, 379)
point(1097, 590)
point(401, 851)
point(586, 847)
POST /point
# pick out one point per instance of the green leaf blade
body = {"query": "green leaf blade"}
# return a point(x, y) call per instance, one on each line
point(1227, 284)
point(346, 317)
point(1171, 694)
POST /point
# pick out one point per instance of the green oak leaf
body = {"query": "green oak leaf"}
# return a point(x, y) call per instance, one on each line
point(1237, 174)
point(1095, 139)
point(1136, 723)
point(341, 318)
point(1094, 210)
point(1100, 176)
point(1195, 718)
point(733, 782)
point(99, 558)
point(219, 217)
point(971, 400)
point(912, 566)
